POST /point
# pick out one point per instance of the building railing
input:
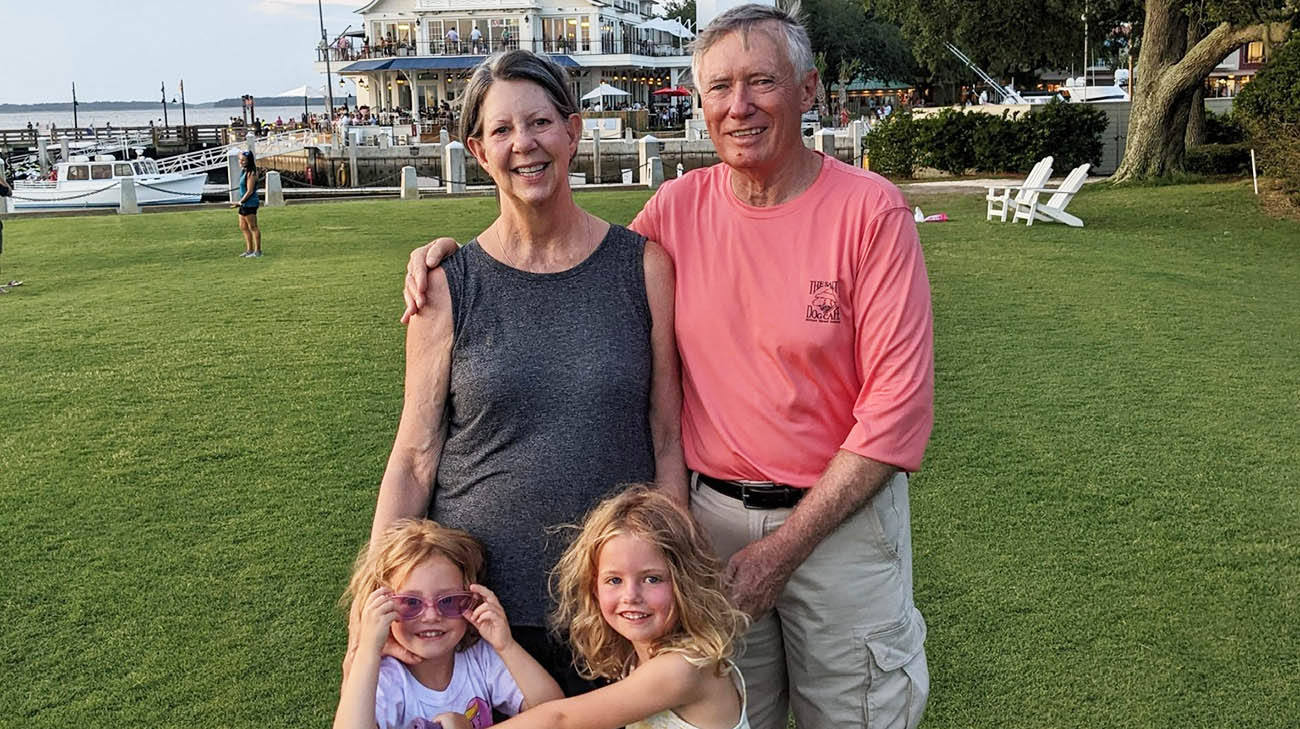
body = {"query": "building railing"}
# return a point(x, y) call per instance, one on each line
point(484, 46)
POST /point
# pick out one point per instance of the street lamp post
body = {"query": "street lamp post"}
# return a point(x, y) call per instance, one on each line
point(164, 100)
point(325, 51)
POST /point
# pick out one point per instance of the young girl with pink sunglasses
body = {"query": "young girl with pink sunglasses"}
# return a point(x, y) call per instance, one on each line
point(418, 588)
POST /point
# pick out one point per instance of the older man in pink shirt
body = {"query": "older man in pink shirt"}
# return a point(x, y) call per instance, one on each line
point(804, 324)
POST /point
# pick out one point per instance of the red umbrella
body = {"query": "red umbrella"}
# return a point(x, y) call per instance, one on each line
point(673, 91)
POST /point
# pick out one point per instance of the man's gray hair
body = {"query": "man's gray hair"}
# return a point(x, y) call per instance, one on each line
point(744, 18)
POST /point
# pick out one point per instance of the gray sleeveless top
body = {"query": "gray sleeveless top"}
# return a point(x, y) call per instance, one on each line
point(548, 408)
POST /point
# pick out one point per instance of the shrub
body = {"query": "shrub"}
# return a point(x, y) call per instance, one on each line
point(946, 142)
point(1274, 94)
point(1269, 109)
point(1223, 129)
point(997, 144)
point(1071, 133)
point(955, 142)
point(1218, 159)
point(891, 145)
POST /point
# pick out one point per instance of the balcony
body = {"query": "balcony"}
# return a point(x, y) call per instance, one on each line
point(570, 47)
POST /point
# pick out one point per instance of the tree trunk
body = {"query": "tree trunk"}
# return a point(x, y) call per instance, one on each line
point(1195, 135)
point(1168, 74)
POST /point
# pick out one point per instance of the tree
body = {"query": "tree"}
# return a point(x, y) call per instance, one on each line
point(848, 71)
point(1174, 59)
point(683, 10)
point(1012, 38)
point(855, 42)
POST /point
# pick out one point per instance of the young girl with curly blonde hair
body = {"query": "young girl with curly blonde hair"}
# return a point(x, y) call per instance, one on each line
point(639, 593)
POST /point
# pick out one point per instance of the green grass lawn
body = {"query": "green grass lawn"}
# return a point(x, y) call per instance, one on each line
point(1107, 528)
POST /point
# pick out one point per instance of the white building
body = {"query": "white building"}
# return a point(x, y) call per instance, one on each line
point(412, 55)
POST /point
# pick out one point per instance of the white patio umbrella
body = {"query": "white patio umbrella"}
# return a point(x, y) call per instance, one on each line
point(603, 90)
point(311, 92)
point(672, 26)
point(305, 92)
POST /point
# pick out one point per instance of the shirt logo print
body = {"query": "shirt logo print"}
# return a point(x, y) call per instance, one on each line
point(824, 302)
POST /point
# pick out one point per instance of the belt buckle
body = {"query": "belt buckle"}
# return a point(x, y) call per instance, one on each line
point(753, 498)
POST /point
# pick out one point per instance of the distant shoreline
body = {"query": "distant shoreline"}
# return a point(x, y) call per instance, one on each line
point(129, 105)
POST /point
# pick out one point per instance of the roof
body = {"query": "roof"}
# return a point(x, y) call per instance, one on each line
point(875, 84)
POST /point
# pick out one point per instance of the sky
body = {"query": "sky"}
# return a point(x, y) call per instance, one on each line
point(124, 50)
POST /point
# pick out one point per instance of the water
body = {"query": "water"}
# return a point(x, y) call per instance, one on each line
point(142, 117)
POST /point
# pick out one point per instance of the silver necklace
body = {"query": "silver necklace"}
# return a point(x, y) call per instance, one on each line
point(505, 250)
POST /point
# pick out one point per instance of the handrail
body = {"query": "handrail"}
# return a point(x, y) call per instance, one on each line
point(215, 157)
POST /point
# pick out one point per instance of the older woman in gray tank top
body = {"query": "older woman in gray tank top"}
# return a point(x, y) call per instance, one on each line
point(545, 371)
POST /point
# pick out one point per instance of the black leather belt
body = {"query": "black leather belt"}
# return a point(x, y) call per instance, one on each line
point(771, 496)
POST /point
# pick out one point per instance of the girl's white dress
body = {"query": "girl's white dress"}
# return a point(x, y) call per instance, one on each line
point(667, 719)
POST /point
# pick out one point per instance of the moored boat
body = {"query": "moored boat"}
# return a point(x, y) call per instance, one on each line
point(82, 182)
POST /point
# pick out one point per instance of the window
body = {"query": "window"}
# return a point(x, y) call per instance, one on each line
point(122, 169)
point(564, 35)
point(101, 172)
point(400, 32)
point(78, 172)
point(1255, 52)
point(503, 33)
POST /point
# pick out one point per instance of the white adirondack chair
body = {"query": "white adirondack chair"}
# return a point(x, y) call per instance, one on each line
point(1052, 211)
point(1003, 198)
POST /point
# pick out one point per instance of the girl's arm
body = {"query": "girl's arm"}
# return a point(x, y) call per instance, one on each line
point(665, 682)
point(534, 682)
point(666, 380)
point(357, 697)
point(489, 618)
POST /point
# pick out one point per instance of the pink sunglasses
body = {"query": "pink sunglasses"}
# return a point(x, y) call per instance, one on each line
point(451, 605)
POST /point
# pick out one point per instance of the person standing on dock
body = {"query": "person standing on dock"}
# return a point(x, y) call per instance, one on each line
point(248, 204)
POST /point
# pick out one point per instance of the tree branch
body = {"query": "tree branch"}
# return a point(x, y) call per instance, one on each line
point(1201, 59)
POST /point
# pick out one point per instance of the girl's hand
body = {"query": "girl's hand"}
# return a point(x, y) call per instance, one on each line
point(377, 616)
point(452, 720)
point(489, 618)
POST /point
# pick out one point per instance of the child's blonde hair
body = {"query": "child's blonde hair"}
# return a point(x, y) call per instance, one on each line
point(403, 546)
point(707, 623)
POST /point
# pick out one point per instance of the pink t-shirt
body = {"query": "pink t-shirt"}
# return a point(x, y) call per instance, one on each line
point(803, 327)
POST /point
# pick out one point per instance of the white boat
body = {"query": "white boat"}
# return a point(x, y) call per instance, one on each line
point(85, 183)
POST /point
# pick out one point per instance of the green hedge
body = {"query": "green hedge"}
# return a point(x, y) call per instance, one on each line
point(1223, 129)
point(1219, 159)
point(1269, 109)
point(957, 142)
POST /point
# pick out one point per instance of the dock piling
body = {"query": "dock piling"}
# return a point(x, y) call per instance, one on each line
point(128, 204)
point(453, 166)
point(274, 190)
point(824, 142)
point(410, 188)
point(232, 175)
point(654, 173)
point(648, 147)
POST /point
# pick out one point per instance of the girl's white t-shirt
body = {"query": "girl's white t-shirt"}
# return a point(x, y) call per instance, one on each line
point(479, 683)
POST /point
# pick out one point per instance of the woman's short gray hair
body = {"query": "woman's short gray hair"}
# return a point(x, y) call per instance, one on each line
point(517, 65)
point(744, 18)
